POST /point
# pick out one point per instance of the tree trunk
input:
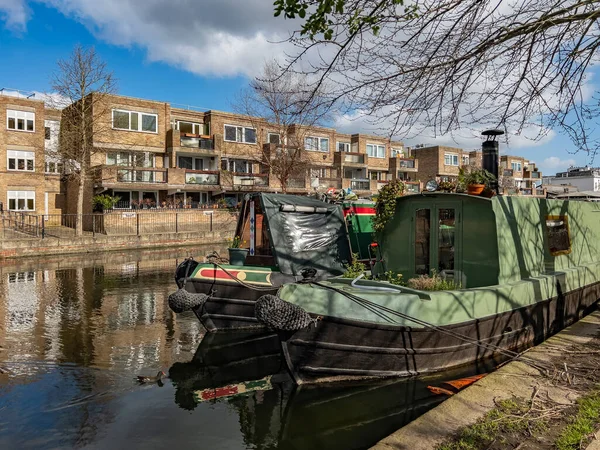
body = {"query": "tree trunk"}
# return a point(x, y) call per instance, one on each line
point(79, 223)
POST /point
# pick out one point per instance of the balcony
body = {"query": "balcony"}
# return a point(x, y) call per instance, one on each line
point(202, 177)
point(240, 180)
point(412, 187)
point(197, 141)
point(296, 183)
point(350, 159)
point(508, 172)
point(328, 183)
point(404, 163)
point(360, 184)
point(113, 175)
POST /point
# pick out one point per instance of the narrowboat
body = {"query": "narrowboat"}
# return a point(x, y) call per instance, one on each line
point(287, 238)
point(524, 268)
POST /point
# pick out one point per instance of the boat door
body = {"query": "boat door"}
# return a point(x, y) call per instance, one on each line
point(437, 238)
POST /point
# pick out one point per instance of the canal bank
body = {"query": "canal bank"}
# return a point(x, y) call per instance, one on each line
point(17, 248)
point(569, 359)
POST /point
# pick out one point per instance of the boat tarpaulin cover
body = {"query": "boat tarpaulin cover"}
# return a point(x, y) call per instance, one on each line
point(316, 239)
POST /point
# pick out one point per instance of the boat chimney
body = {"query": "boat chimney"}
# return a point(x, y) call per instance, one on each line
point(489, 150)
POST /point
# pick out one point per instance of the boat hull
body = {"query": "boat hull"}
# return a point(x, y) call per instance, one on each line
point(337, 349)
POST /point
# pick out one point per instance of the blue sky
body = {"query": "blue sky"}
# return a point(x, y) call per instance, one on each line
point(185, 52)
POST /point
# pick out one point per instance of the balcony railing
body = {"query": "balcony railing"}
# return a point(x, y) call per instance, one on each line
point(508, 172)
point(141, 176)
point(250, 179)
point(196, 141)
point(540, 192)
point(535, 175)
point(296, 183)
point(406, 163)
point(526, 191)
point(412, 188)
point(326, 183)
point(354, 158)
point(201, 177)
point(360, 185)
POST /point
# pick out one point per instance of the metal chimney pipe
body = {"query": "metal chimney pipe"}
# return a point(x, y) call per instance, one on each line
point(490, 156)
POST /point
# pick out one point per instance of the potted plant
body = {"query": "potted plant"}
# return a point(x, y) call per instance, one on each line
point(237, 255)
point(476, 180)
point(447, 186)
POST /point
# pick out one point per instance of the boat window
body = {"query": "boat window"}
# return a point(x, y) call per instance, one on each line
point(422, 227)
point(307, 232)
point(446, 230)
point(559, 240)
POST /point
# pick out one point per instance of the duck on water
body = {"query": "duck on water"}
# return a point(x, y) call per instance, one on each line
point(525, 267)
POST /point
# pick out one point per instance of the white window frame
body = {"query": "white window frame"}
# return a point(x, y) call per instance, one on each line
point(377, 150)
point(465, 160)
point(20, 195)
point(516, 166)
point(140, 120)
point(230, 163)
point(196, 126)
point(346, 145)
point(23, 115)
point(240, 134)
point(58, 167)
point(451, 159)
point(319, 144)
point(17, 155)
point(269, 134)
point(118, 159)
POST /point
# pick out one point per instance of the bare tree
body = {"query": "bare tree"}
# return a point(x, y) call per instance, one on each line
point(285, 105)
point(449, 64)
point(84, 82)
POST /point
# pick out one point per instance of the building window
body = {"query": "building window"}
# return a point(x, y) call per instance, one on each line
point(376, 151)
point(274, 138)
point(118, 159)
point(135, 121)
point(398, 152)
point(343, 146)
point(234, 133)
point(316, 144)
point(190, 127)
point(53, 167)
point(19, 160)
point(450, 159)
point(559, 240)
point(21, 200)
point(236, 165)
point(47, 133)
point(516, 166)
point(465, 160)
point(20, 120)
point(318, 172)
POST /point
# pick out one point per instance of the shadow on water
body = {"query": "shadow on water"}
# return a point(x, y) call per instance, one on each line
point(74, 332)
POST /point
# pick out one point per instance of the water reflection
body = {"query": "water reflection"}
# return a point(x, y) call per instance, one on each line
point(75, 331)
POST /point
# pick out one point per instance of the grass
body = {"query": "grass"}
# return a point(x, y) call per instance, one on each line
point(510, 417)
point(582, 424)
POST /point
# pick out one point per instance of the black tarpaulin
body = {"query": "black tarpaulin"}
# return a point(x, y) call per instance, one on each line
point(317, 239)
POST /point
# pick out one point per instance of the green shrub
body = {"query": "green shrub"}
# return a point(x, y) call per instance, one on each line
point(385, 206)
point(392, 278)
point(105, 201)
point(355, 268)
point(432, 283)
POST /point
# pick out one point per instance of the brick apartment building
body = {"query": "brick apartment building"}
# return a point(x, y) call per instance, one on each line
point(30, 177)
point(150, 152)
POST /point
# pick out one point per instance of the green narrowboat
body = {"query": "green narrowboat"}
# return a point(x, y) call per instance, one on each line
point(288, 238)
point(526, 268)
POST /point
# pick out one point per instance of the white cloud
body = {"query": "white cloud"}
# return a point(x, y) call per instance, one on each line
point(212, 37)
point(554, 163)
point(14, 13)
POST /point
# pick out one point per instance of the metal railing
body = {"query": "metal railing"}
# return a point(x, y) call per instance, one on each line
point(17, 225)
point(360, 185)
point(201, 177)
point(407, 163)
point(142, 175)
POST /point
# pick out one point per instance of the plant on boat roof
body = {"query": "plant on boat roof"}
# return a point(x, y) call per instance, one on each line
point(355, 268)
point(392, 278)
point(432, 283)
point(385, 206)
point(472, 175)
point(447, 186)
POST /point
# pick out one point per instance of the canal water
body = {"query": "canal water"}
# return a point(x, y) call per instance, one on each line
point(76, 330)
